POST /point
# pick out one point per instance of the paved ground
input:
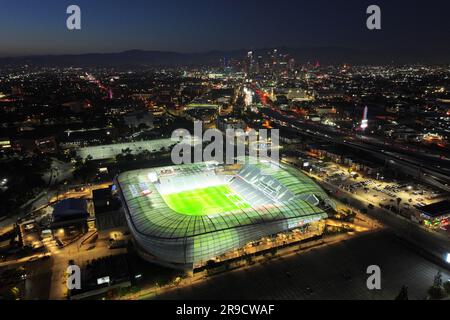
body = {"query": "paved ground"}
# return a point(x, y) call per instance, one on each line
point(80, 254)
point(37, 286)
point(434, 242)
point(323, 270)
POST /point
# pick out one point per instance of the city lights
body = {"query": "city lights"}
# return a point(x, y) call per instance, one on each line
point(214, 150)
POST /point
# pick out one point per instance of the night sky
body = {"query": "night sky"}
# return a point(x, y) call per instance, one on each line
point(39, 27)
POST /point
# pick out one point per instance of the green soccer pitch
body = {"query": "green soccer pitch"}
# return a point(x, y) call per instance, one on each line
point(200, 202)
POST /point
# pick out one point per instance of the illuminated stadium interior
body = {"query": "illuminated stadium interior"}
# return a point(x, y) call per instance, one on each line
point(205, 201)
point(182, 216)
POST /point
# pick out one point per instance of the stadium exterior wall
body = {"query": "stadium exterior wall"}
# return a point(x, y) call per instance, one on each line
point(192, 252)
point(191, 249)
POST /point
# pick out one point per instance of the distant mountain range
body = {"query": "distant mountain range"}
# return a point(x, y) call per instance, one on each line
point(325, 55)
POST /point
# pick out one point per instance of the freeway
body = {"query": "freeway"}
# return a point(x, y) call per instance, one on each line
point(423, 166)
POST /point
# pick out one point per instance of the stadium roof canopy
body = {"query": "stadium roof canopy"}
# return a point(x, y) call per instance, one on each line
point(152, 217)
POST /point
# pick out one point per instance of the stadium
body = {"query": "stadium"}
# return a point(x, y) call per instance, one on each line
point(186, 215)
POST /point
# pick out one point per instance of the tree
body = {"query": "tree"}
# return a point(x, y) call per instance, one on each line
point(403, 295)
point(128, 154)
point(447, 287)
point(438, 280)
point(437, 291)
point(210, 264)
point(78, 162)
point(86, 172)
point(126, 151)
point(399, 200)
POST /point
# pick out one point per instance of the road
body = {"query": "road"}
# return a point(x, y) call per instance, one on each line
point(435, 243)
point(80, 254)
point(423, 166)
point(151, 291)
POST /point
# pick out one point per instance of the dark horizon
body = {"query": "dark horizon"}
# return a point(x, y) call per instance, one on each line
point(30, 28)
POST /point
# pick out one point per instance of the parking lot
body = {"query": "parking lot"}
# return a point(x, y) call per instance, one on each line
point(332, 272)
point(404, 197)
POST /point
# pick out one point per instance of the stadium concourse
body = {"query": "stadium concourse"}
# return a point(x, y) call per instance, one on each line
point(184, 216)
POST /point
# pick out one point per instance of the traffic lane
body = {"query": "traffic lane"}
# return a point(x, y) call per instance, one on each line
point(335, 136)
point(367, 141)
